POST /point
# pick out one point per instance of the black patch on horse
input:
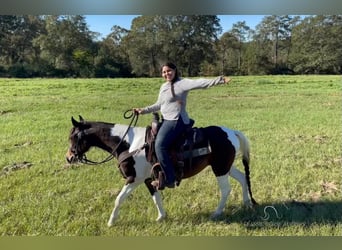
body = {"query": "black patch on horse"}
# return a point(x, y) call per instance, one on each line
point(221, 146)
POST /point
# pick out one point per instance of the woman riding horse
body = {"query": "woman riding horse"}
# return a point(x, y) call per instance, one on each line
point(172, 104)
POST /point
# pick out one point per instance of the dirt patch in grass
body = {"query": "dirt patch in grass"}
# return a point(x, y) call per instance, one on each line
point(15, 167)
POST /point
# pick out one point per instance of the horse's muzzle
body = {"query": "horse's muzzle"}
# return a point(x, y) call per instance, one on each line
point(70, 157)
point(70, 160)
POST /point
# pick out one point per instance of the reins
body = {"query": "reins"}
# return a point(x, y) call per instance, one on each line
point(134, 119)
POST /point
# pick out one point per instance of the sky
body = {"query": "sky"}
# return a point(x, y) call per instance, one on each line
point(103, 23)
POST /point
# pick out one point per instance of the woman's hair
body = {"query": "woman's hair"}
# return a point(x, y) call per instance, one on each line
point(174, 67)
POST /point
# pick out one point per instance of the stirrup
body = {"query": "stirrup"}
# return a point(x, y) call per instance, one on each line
point(159, 177)
point(159, 184)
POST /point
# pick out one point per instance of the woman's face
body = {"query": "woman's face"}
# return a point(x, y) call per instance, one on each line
point(168, 73)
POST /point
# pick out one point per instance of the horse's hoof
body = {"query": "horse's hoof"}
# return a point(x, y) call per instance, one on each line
point(110, 223)
point(161, 218)
point(216, 216)
point(249, 205)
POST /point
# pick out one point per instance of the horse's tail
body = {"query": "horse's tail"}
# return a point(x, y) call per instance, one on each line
point(245, 150)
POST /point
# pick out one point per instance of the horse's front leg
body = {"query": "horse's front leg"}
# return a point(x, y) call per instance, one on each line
point(156, 199)
point(125, 191)
point(241, 178)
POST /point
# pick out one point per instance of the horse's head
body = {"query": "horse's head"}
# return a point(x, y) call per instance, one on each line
point(79, 144)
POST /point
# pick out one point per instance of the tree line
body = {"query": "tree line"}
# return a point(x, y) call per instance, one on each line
point(63, 46)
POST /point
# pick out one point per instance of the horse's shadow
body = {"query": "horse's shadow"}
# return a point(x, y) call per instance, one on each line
point(280, 214)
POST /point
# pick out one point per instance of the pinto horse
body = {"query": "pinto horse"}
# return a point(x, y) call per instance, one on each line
point(129, 141)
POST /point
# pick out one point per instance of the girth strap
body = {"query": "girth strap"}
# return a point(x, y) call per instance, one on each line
point(197, 152)
point(126, 154)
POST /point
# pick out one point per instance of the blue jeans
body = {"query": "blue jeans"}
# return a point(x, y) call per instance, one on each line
point(167, 134)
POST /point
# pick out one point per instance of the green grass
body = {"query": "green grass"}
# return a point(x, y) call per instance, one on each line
point(294, 127)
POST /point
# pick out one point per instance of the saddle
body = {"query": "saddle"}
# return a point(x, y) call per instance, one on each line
point(190, 144)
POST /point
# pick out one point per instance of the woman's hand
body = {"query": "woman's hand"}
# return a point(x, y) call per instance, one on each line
point(226, 80)
point(137, 111)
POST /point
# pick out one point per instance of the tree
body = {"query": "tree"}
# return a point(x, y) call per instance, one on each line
point(250, 63)
point(111, 59)
point(194, 37)
point(63, 46)
point(241, 31)
point(67, 45)
point(186, 40)
point(17, 52)
point(142, 46)
point(9, 30)
point(227, 50)
point(273, 34)
point(317, 45)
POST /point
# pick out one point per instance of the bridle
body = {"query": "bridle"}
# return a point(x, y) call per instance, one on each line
point(83, 158)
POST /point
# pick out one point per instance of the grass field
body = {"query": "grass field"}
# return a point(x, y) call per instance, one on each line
point(293, 124)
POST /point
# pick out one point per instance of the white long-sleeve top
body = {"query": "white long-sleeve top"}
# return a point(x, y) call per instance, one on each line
point(171, 107)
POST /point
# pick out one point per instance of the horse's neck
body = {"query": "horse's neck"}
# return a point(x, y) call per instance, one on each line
point(102, 138)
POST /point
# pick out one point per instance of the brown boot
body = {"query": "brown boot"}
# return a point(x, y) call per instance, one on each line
point(179, 172)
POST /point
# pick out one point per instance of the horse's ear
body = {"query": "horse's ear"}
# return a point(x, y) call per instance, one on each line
point(81, 119)
point(74, 122)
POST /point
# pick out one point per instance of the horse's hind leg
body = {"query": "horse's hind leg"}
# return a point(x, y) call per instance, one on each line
point(225, 189)
point(241, 178)
point(125, 191)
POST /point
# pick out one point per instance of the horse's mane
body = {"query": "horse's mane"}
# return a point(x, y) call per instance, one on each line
point(98, 124)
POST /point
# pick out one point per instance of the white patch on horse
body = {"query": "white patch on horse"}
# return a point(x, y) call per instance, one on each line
point(135, 136)
point(139, 138)
point(119, 130)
